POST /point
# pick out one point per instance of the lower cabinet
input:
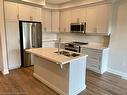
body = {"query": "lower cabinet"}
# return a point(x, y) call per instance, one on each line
point(13, 45)
point(97, 60)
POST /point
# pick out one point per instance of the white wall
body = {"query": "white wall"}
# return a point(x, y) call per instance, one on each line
point(118, 42)
point(3, 54)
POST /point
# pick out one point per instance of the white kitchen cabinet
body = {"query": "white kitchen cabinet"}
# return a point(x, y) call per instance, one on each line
point(104, 18)
point(46, 20)
point(36, 14)
point(13, 44)
point(65, 20)
point(29, 13)
point(98, 19)
point(91, 19)
point(97, 60)
point(11, 10)
point(55, 20)
point(78, 15)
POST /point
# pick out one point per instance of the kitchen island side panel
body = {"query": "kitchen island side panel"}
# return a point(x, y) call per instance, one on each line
point(52, 75)
point(77, 76)
point(69, 80)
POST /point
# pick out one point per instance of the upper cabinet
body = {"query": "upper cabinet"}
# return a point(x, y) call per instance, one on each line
point(98, 19)
point(55, 20)
point(104, 18)
point(91, 19)
point(65, 20)
point(11, 10)
point(46, 20)
point(29, 13)
point(15, 11)
point(78, 15)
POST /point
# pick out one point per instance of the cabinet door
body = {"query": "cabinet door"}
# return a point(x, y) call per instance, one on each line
point(65, 20)
point(55, 21)
point(29, 13)
point(11, 10)
point(98, 19)
point(25, 12)
point(91, 19)
point(46, 20)
point(103, 18)
point(13, 45)
point(78, 15)
point(36, 14)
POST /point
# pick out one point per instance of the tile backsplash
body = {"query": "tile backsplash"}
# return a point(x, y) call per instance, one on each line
point(69, 37)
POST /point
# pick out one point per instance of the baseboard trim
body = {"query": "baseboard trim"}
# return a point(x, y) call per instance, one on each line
point(79, 90)
point(49, 84)
point(119, 73)
point(4, 72)
point(15, 67)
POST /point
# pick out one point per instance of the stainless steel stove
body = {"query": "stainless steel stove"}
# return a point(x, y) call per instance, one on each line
point(74, 46)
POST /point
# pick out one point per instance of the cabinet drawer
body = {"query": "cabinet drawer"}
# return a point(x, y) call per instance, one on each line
point(95, 57)
point(93, 66)
point(91, 50)
point(91, 60)
point(93, 54)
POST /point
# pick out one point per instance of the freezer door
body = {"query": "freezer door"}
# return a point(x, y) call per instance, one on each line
point(36, 33)
point(26, 35)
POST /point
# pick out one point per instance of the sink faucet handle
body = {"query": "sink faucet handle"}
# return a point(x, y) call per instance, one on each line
point(59, 41)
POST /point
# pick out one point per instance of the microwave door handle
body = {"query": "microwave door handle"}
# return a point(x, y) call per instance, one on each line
point(80, 27)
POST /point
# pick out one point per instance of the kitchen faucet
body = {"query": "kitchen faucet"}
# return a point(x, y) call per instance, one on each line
point(59, 42)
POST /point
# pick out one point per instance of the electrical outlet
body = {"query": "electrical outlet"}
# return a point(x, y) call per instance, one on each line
point(123, 63)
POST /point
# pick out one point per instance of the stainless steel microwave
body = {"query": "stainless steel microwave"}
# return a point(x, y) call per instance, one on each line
point(78, 27)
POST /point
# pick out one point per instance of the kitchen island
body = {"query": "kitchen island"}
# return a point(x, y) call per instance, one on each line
point(62, 71)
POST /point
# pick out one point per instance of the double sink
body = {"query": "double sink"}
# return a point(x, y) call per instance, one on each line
point(68, 54)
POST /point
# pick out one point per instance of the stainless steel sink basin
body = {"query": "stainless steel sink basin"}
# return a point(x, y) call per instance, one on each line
point(69, 54)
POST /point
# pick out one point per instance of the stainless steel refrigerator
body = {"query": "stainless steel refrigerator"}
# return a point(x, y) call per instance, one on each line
point(30, 37)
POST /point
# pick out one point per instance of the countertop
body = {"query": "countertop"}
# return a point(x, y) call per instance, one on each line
point(49, 54)
point(95, 46)
point(92, 45)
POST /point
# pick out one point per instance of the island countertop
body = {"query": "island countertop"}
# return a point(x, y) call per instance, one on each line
point(49, 54)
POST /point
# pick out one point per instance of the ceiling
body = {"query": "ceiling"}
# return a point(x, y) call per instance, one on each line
point(57, 1)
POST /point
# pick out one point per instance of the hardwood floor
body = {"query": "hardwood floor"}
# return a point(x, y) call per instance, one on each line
point(21, 82)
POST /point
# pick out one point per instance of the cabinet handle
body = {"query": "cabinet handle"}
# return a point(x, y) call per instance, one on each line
point(93, 66)
point(100, 58)
point(31, 18)
point(77, 20)
point(64, 29)
point(95, 29)
point(17, 16)
point(45, 29)
point(99, 67)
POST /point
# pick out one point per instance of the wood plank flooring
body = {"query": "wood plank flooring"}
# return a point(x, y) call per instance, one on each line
point(21, 82)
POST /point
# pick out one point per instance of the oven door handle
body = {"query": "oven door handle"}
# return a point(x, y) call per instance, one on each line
point(75, 50)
